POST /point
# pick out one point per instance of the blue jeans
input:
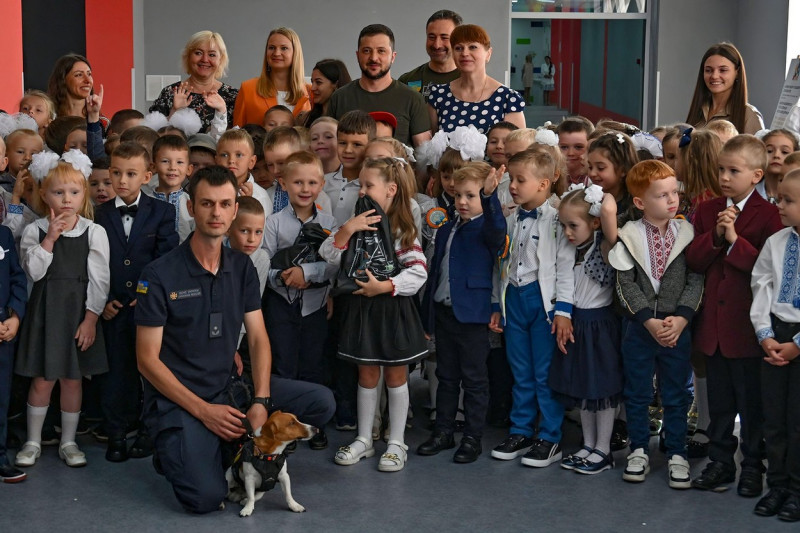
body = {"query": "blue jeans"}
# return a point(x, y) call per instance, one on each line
point(530, 347)
point(641, 356)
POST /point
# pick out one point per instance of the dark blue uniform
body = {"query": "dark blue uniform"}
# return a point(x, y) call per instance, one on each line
point(202, 314)
point(152, 235)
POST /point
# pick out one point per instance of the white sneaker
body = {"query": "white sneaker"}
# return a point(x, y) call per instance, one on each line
point(72, 455)
point(679, 474)
point(28, 454)
point(638, 466)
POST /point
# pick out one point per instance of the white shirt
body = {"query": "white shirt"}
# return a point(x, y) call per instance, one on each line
point(588, 293)
point(740, 205)
point(127, 220)
point(523, 262)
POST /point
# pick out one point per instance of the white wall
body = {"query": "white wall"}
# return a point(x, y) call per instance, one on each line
point(326, 29)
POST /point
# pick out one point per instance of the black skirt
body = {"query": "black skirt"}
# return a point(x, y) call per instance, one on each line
point(590, 375)
point(383, 330)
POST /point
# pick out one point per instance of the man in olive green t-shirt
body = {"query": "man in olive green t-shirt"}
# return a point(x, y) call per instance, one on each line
point(441, 68)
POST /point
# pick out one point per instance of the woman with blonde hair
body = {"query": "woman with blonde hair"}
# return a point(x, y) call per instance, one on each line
point(205, 60)
point(281, 81)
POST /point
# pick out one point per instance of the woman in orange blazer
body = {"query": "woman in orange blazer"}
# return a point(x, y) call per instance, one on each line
point(281, 81)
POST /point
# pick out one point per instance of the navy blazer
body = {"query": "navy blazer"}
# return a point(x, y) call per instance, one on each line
point(152, 235)
point(13, 282)
point(473, 253)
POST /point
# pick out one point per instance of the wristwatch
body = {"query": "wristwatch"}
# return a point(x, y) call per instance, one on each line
point(266, 401)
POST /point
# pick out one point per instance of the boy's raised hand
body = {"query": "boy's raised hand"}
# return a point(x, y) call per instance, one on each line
point(493, 180)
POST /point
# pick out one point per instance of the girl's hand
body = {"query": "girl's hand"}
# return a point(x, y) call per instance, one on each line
point(493, 180)
point(294, 277)
point(58, 224)
point(362, 222)
point(215, 102)
point(86, 331)
point(562, 327)
point(182, 96)
point(373, 287)
point(93, 104)
point(9, 328)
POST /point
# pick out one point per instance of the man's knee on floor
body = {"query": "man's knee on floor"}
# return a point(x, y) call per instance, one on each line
point(201, 499)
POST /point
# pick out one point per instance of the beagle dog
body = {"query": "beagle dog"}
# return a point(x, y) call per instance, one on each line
point(261, 462)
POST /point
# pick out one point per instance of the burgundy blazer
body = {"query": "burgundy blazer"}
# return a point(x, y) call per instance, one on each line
point(724, 319)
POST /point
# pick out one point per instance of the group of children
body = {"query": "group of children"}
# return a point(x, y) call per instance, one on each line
point(608, 259)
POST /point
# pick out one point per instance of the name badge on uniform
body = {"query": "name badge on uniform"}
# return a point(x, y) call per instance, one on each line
point(186, 293)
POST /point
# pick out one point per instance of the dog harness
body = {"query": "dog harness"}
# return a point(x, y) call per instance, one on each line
point(268, 466)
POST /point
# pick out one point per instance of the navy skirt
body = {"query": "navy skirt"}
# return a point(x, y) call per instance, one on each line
point(590, 375)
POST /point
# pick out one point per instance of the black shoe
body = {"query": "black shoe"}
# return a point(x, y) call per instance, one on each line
point(318, 441)
point(117, 450)
point(437, 442)
point(11, 474)
point(469, 450)
point(290, 448)
point(790, 512)
point(619, 438)
point(696, 449)
point(772, 503)
point(142, 447)
point(511, 448)
point(542, 453)
point(715, 476)
point(751, 482)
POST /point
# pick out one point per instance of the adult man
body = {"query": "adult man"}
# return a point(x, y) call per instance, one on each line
point(441, 68)
point(377, 91)
point(191, 305)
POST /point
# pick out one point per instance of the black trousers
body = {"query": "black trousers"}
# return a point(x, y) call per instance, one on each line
point(462, 351)
point(121, 386)
point(780, 392)
point(734, 387)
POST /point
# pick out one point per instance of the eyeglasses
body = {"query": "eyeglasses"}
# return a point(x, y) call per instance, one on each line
point(686, 138)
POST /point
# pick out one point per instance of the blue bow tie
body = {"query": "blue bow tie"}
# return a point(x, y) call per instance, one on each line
point(522, 214)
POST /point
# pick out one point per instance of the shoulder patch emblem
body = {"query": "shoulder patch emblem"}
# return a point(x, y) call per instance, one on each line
point(436, 217)
point(141, 287)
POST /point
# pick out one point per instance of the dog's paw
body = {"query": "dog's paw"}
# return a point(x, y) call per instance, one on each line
point(247, 510)
point(221, 506)
point(296, 507)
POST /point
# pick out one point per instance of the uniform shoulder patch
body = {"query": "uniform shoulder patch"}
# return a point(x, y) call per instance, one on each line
point(436, 217)
point(141, 287)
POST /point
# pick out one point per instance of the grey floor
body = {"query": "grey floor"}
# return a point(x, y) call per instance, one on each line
point(431, 494)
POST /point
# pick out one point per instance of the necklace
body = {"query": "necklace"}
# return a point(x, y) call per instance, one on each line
point(473, 99)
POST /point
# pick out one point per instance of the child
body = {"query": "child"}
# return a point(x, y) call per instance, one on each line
point(295, 301)
point(670, 146)
point(66, 258)
point(39, 106)
point(723, 129)
point(20, 147)
point(56, 134)
point(141, 135)
point(13, 297)
point(323, 143)
point(589, 374)
point(236, 152)
point(780, 143)
point(698, 168)
point(171, 163)
point(100, 187)
point(123, 120)
point(6, 180)
point(731, 230)
point(385, 123)
point(495, 145)
point(573, 139)
point(791, 162)
point(611, 155)
point(775, 314)
point(381, 327)
point(536, 297)
point(457, 307)
point(278, 115)
point(140, 229)
point(355, 130)
point(660, 295)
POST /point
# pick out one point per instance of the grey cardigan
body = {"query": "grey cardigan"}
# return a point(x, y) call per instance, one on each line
point(681, 290)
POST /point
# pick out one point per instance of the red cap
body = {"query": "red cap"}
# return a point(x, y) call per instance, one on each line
point(384, 116)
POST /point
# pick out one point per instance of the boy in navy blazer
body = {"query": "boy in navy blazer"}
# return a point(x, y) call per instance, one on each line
point(140, 229)
point(457, 308)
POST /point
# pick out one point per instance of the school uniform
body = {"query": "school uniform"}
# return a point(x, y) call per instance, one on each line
point(135, 239)
point(457, 308)
point(723, 331)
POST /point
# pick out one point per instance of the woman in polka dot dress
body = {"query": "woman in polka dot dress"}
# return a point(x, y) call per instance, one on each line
point(474, 97)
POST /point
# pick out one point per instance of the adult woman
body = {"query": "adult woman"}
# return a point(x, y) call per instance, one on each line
point(721, 91)
point(474, 97)
point(69, 86)
point(205, 60)
point(281, 81)
point(548, 71)
point(327, 76)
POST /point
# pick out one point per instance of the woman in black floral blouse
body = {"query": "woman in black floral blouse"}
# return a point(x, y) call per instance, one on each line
point(205, 59)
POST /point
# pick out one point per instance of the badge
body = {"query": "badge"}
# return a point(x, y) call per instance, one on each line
point(436, 217)
point(141, 287)
point(173, 296)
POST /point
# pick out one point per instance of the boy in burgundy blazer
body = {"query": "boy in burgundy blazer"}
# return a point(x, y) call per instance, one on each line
point(729, 234)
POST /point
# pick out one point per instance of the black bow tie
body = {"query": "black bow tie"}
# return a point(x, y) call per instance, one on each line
point(522, 214)
point(129, 210)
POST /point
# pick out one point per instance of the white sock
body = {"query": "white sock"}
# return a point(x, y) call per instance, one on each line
point(589, 428)
point(366, 400)
point(69, 425)
point(703, 416)
point(398, 411)
point(35, 422)
point(605, 427)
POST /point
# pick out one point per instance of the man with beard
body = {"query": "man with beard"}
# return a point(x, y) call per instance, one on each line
point(377, 91)
point(441, 68)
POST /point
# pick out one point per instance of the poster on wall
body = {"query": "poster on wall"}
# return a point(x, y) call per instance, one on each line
point(788, 113)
